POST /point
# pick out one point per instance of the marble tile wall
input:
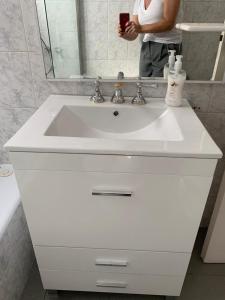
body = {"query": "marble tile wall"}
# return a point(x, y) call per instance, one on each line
point(23, 86)
point(16, 257)
point(101, 47)
point(195, 64)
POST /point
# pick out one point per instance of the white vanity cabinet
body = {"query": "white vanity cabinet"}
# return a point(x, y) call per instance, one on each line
point(113, 223)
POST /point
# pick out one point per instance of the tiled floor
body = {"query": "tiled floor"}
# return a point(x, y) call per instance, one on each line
point(203, 282)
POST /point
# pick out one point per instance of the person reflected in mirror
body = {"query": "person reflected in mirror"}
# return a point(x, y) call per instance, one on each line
point(155, 20)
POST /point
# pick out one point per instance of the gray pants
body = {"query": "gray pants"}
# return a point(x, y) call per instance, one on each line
point(154, 56)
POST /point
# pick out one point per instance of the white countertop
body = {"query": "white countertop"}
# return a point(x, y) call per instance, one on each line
point(195, 142)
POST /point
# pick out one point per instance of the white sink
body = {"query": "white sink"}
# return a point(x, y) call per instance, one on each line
point(108, 121)
point(73, 124)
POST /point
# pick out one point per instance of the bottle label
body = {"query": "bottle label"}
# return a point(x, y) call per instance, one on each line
point(174, 92)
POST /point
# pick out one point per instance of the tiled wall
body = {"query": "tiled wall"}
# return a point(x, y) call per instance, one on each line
point(104, 53)
point(16, 257)
point(23, 86)
point(200, 66)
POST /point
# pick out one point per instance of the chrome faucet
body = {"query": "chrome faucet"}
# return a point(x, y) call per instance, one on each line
point(97, 97)
point(139, 98)
point(118, 97)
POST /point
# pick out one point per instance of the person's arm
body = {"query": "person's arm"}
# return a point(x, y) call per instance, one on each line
point(170, 11)
point(131, 36)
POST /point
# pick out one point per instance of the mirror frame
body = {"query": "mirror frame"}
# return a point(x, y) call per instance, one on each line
point(131, 80)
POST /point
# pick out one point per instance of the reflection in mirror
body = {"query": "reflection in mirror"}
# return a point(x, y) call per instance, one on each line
point(86, 37)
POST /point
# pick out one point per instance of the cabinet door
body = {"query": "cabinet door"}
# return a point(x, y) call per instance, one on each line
point(115, 211)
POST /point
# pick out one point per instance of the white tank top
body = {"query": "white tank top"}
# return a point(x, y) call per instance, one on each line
point(154, 14)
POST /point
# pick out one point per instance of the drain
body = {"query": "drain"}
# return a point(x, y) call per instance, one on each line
point(116, 113)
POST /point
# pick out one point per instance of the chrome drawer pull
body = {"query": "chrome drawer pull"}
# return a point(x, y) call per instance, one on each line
point(111, 262)
point(111, 193)
point(112, 284)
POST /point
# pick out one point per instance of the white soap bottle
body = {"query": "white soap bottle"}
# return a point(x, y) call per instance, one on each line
point(176, 81)
point(170, 65)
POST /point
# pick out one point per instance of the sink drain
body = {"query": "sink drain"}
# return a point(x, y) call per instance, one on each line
point(116, 113)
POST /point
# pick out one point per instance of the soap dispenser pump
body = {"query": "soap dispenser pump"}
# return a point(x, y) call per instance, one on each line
point(170, 65)
point(176, 81)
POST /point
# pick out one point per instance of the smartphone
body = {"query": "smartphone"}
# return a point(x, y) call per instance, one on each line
point(124, 19)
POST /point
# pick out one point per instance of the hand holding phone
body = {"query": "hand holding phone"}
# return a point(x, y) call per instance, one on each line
point(124, 19)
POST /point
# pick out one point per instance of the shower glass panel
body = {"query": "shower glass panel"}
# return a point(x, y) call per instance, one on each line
point(59, 28)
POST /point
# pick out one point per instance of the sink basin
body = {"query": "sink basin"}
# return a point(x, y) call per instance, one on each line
point(73, 124)
point(116, 122)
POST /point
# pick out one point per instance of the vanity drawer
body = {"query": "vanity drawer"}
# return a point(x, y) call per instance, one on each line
point(112, 282)
point(113, 210)
point(106, 260)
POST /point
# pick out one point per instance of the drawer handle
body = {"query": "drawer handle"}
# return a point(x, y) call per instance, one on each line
point(112, 284)
point(111, 262)
point(111, 193)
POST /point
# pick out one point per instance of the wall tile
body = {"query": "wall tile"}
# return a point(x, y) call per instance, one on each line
point(200, 11)
point(93, 9)
point(16, 257)
point(194, 64)
point(12, 37)
point(10, 121)
point(15, 80)
point(199, 97)
point(217, 102)
point(44, 88)
point(114, 9)
point(31, 25)
point(117, 49)
point(99, 45)
point(40, 84)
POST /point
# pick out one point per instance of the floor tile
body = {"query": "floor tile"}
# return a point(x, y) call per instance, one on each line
point(100, 296)
point(203, 288)
point(197, 267)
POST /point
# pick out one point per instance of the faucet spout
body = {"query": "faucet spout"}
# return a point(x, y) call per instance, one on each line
point(120, 76)
point(118, 97)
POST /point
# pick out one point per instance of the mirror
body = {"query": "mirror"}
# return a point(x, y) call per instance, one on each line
point(80, 39)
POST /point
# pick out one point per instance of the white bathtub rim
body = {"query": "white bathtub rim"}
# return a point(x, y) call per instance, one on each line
point(9, 199)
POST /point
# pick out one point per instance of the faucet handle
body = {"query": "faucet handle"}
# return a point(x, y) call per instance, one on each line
point(97, 97)
point(139, 98)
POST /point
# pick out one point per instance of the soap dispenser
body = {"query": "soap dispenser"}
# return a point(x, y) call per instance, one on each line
point(170, 65)
point(176, 81)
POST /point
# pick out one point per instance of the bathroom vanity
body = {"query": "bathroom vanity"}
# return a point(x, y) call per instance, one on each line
point(113, 194)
